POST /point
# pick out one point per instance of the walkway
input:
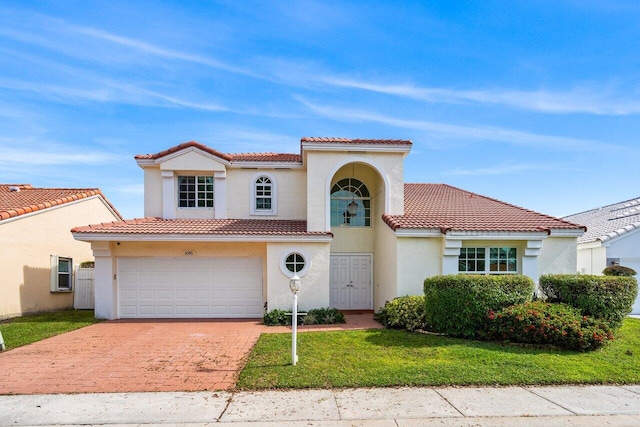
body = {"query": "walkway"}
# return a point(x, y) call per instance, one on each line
point(509, 406)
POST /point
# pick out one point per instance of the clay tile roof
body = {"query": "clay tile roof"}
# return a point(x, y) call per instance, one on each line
point(265, 157)
point(330, 140)
point(608, 222)
point(443, 207)
point(182, 146)
point(211, 227)
point(21, 199)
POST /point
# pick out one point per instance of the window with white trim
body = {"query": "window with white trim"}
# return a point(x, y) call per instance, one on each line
point(195, 191)
point(294, 261)
point(502, 260)
point(61, 274)
point(350, 204)
point(263, 194)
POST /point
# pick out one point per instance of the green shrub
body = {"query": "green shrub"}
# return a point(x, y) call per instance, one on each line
point(606, 297)
point(619, 270)
point(323, 316)
point(546, 323)
point(458, 304)
point(403, 313)
point(276, 317)
point(315, 316)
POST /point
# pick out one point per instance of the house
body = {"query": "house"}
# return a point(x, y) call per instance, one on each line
point(223, 233)
point(612, 237)
point(38, 252)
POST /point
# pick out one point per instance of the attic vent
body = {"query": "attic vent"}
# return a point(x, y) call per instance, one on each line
point(16, 189)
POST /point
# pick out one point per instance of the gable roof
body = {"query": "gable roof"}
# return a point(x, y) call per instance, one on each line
point(210, 228)
point(22, 199)
point(446, 208)
point(270, 157)
point(608, 222)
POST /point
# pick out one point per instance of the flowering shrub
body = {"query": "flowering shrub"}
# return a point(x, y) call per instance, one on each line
point(545, 323)
point(605, 297)
point(403, 313)
point(457, 304)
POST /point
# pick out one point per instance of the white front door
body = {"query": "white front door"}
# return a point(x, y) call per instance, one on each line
point(351, 282)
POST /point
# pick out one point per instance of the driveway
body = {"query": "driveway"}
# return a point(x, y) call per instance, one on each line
point(142, 355)
point(130, 356)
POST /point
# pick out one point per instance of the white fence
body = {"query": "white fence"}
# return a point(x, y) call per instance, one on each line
point(83, 298)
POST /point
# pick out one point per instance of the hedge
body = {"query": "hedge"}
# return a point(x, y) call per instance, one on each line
point(403, 313)
point(458, 304)
point(605, 297)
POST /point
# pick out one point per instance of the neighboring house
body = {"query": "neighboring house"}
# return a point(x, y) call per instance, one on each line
point(612, 237)
point(223, 233)
point(37, 249)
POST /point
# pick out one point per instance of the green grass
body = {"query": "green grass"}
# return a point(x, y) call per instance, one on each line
point(35, 327)
point(396, 358)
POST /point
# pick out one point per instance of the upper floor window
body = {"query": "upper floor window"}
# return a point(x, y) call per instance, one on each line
point(264, 194)
point(488, 260)
point(350, 204)
point(195, 191)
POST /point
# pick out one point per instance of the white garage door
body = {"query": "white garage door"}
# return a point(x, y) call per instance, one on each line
point(190, 287)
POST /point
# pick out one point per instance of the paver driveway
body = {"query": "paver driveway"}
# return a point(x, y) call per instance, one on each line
point(138, 355)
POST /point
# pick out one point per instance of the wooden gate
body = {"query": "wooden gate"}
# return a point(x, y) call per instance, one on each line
point(83, 298)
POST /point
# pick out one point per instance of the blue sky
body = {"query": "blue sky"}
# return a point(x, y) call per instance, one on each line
point(534, 103)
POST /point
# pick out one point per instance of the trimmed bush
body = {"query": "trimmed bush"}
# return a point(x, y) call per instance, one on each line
point(323, 316)
point(403, 313)
point(458, 304)
point(619, 270)
point(605, 297)
point(546, 323)
point(315, 316)
point(276, 317)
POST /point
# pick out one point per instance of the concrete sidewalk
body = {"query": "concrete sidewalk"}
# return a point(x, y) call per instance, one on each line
point(465, 406)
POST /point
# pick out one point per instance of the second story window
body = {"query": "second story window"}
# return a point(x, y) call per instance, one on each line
point(350, 204)
point(263, 194)
point(195, 191)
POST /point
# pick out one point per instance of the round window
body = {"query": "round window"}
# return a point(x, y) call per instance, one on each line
point(294, 262)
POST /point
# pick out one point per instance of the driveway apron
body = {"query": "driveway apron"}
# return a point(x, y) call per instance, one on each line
point(132, 356)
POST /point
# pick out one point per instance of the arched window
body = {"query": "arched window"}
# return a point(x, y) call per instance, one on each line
point(350, 204)
point(263, 195)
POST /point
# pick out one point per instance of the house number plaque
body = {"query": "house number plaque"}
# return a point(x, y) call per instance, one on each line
point(189, 253)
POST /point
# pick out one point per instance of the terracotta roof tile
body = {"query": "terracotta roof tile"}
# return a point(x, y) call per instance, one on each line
point(212, 227)
point(608, 222)
point(331, 140)
point(28, 199)
point(182, 146)
point(443, 207)
point(265, 157)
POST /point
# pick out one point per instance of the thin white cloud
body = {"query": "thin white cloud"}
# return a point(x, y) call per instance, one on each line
point(507, 169)
point(23, 152)
point(135, 189)
point(459, 132)
point(589, 99)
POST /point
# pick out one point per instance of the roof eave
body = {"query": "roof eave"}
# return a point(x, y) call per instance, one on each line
point(171, 237)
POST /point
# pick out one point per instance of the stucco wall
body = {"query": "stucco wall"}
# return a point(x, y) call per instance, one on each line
point(291, 193)
point(152, 192)
point(559, 255)
point(591, 260)
point(314, 287)
point(27, 244)
point(322, 166)
point(385, 267)
point(418, 258)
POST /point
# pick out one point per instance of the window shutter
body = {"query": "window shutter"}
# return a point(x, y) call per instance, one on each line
point(54, 273)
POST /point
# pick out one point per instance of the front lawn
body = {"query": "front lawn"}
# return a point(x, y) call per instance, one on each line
point(397, 358)
point(35, 327)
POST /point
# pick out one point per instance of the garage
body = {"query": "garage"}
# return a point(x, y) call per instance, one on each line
point(190, 287)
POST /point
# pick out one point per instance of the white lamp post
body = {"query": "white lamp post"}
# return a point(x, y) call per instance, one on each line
point(294, 285)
